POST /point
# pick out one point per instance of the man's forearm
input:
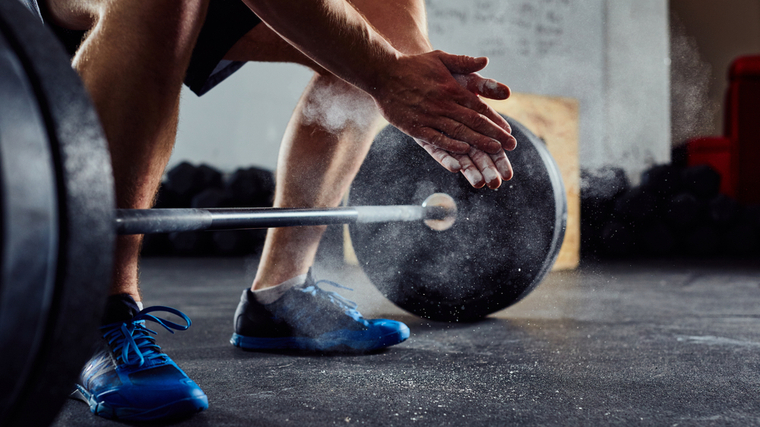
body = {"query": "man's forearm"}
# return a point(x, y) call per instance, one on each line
point(416, 93)
point(332, 33)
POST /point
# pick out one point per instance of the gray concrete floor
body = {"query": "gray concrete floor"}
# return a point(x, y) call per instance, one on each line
point(644, 343)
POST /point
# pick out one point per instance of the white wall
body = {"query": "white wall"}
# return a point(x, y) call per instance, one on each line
point(241, 121)
point(612, 55)
point(637, 97)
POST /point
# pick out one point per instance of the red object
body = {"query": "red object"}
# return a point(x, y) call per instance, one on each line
point(745, 67)
point(716, 152)
point(736, 155)
point(743, 127)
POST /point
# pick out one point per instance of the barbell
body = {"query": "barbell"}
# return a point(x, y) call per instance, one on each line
point(457, 255)
point(438, 212)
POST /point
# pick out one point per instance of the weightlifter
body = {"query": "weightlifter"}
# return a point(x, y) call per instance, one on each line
point(370, 59)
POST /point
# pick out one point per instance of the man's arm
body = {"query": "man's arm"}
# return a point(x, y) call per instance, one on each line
point(416, 93)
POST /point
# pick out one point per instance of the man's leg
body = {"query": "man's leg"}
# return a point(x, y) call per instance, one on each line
point(328, 135)
point(132, 63)
point(321, 152)
point(324, 145)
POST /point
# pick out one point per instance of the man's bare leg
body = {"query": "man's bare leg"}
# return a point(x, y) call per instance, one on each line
point(328, 135)
point(132, 63)
point(322, 150)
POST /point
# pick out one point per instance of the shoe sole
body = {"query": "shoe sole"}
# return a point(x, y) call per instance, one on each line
point(322, 343)
point(174, 410)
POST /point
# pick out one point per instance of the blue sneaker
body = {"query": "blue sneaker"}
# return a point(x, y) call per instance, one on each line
point(132, 379)
point(307, 317)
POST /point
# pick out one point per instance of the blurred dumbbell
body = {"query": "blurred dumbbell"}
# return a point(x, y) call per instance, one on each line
point(740, 240)
point(662, 181)
point(168, 198)
point(637, 205)
point(599, 189)
point(702, 181)
point(211, 198)
point(184, 181)
point(617, 239)
point(743, 238)
point(211, 177)
point(723, 211)
point(684, 211)
point(702, 241)
point(657, 240)
point(251, 187)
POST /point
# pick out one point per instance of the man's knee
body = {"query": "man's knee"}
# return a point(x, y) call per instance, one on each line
point(336, 105)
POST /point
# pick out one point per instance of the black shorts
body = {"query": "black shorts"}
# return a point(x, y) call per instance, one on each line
point(227, 21)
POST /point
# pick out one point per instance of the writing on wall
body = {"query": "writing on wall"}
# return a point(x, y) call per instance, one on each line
point(499, 28)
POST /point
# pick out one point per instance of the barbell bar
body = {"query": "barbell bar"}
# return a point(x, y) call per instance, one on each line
point(438, 211)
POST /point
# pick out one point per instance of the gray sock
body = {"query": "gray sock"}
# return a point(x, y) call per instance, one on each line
point(272, 294)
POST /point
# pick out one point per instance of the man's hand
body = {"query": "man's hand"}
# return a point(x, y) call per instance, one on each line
point(420, 96)
point(478, 167)
point(445, 116)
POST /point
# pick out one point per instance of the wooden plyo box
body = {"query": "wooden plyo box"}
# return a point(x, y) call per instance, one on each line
point(555, 120)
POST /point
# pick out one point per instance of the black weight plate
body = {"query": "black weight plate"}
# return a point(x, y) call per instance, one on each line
point(85, 202)
point(29, 227)
point(502, 245)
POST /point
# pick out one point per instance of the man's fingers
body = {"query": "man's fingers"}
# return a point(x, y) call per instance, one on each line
point(497, 118)
point(480, 130)
point(462, 64)
point(487, 168)
point(470, 171)
point(446, 160)
point(479, 85)
point(474, 83)
point(503, 166)
point(478, 168)
point(460, 131)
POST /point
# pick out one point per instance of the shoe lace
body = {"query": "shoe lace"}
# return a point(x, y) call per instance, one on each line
point(134, 343)
point(348, 306)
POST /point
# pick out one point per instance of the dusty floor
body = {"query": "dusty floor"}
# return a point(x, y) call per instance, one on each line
point(647, 343)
